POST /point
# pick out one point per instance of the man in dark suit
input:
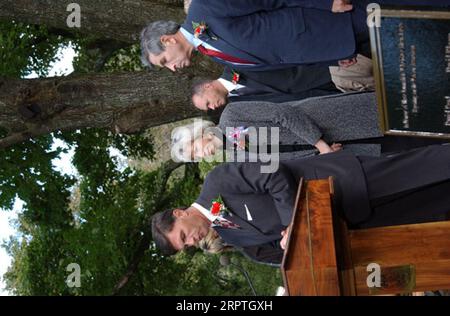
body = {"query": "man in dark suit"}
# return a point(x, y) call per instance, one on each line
point(281, 85)
point(264, 34)
point(256, 208)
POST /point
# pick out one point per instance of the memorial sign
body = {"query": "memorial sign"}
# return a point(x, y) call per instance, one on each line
point(411, 53)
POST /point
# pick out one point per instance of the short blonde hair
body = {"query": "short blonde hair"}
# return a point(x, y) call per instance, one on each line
point(185, 135)
point(212, 243)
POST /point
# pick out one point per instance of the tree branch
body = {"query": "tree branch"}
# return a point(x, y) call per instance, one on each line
point(144, 243)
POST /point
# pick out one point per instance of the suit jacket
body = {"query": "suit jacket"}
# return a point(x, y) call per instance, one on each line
point(282, 85)
point(274, 34)
point(387, 186)
point(334, 118)
point(270, 254)
point(269, 197)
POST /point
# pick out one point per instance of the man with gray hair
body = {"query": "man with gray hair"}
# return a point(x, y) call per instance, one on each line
point(265, 34)
point(167, 44)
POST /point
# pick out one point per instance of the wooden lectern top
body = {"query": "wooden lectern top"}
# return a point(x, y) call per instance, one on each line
point(309, 265)
point(323, 257)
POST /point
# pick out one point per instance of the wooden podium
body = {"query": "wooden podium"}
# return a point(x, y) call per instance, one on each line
point(323, 257)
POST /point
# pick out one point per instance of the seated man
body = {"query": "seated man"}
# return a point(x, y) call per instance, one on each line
point(281, 85)
point(249, 209)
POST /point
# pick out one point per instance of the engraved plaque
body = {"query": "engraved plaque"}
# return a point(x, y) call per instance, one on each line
point(411, 53)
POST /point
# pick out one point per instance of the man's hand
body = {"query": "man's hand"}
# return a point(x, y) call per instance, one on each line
point(347, 62)
point(324, 148)
point(340, 6)
point(285, 234)
point(336, 147)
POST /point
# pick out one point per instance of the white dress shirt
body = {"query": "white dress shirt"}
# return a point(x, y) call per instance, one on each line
point(197, 42)
point(230, 86)
point(206, 213)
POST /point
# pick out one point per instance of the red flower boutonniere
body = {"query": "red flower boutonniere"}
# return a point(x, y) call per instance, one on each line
point(235, 77)
point(218, 207)
point(199, 28)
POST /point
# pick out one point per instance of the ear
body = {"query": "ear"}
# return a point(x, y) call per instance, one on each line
point(168, 40)
point(178, 213)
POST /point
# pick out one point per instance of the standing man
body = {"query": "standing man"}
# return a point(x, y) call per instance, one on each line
point(281, 85)
point(264, 34)
point(248, 208)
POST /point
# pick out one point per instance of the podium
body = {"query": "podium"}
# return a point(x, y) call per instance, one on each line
point(324, 258)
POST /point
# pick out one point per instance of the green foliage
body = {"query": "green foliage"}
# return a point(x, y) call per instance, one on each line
point(98, 217)
point(26, 172)
point(207, 166)
point(126, 59)
point(25, 49)
point(102, 55)
point(103, 236)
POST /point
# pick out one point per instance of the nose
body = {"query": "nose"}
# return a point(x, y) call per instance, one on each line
point(191, 241)
point(172, 67)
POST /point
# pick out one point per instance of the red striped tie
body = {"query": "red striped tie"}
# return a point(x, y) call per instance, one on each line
point(214, 53)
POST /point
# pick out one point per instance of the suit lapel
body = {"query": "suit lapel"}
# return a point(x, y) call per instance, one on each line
point(211, 38)
point(241, 220)
point(252, 85)
point(248, 82)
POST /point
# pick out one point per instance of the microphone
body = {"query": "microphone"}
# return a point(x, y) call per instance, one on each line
point(226, 261)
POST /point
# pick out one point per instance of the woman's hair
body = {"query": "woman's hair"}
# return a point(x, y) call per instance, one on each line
point(184, 136)
point(212, 243)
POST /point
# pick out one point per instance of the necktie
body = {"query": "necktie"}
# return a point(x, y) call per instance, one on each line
point(222, 222)
point(223, 56)
point(246, 91)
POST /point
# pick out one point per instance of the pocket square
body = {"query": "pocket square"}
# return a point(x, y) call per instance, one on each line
point(249, 216)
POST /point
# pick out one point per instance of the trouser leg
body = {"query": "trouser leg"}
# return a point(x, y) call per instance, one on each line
point(427, 204)
point(410, 187)
point(392, 144)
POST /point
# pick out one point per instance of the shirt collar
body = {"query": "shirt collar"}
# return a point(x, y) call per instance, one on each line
point(229, 85)
point(191, 38)
point(205, 212)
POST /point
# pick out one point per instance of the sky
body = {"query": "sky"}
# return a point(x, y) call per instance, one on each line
point(61, 67)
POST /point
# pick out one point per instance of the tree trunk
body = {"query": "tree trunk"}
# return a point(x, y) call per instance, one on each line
point(121, 20)
point(121, 102)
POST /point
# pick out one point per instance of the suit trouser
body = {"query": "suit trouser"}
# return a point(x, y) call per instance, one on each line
point(421, 200)
point(427, 204)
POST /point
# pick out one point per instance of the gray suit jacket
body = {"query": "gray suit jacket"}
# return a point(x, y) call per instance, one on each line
point(334, 118)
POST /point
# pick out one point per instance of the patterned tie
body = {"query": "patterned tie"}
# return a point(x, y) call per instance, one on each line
point(222, 222)
point(223, 56)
